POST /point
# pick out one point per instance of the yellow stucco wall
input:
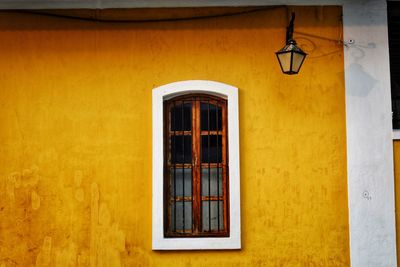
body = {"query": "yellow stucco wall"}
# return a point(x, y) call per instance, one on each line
point(75, 137)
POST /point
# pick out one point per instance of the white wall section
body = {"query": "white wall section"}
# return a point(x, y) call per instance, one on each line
point(369, 135)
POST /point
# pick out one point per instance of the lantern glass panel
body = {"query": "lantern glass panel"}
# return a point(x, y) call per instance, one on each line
point(297, 61)
point(284, 60)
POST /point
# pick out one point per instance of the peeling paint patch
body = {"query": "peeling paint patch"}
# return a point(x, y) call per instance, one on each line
point(82, 260)
point(79, 195)
point(104, 215)
point(44, 257)
point(107, 240)
point(30, 177)
point(78, 178)
point(66, 257)
point(35, 200)
point(10, 185)
point(94, 215)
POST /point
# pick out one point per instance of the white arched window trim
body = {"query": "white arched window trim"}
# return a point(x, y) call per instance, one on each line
point(169, 91)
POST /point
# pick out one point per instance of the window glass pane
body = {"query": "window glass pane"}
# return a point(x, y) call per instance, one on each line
point(180, 211)
point(181, 149)
point(394, 39)
point(212, 114)
point(212, 225)
point(181, 175)
point(209, 149)
point(396, 111)
point(181, 117)
point(211, 173)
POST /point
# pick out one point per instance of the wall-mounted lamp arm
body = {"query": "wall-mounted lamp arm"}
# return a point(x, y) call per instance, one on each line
point(289, 29)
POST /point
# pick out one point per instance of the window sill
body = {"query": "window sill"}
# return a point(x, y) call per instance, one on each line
point(198, 243)
point(396, 134)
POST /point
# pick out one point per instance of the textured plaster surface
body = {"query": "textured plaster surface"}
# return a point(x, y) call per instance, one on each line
point(75, 137)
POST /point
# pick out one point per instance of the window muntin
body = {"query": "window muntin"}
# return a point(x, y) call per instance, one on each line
point(196, 161)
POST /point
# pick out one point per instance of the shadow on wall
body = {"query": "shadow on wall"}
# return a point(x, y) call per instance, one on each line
point(362, 85)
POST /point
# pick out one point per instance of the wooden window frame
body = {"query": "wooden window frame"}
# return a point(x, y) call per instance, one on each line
point(169, 91)
point(196, 166)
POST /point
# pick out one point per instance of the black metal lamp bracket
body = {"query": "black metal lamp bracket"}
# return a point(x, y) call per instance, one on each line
point(289, 30)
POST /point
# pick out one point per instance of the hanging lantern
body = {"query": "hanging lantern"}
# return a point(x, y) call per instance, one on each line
point(290, 57)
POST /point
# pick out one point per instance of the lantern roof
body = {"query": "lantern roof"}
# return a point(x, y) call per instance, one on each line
point(291, 46)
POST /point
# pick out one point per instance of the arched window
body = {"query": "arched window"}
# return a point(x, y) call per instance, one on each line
point(196, 177)
point(196, 164)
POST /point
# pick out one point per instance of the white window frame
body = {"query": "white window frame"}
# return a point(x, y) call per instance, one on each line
point(168, 91)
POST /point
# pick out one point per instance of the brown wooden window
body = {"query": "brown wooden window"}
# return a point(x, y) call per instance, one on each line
point(196, 167)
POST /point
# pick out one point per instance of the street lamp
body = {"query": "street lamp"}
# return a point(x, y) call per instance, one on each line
point(290, 57)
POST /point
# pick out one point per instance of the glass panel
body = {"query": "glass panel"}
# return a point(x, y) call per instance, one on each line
point(213, 181)
point(213, 117)
point(206, 223)
point(284, 60)
point(181, 149)
point(179, 215)
point(209, 151)
point(297, 60)
point(181, 121)
point(180, 176)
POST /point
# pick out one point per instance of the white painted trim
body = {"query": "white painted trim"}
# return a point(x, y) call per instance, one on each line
point(396, 134)
point(186, 87)
point(369, 135)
